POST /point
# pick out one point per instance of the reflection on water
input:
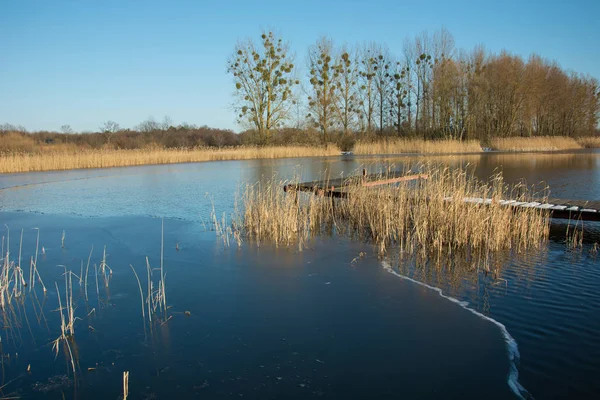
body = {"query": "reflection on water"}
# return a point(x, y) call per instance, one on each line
point(546, 300)
point(255, 323)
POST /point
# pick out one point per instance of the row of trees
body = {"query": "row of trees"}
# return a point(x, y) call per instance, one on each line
point(149, 133)
point(432, 89)
point(110, 134)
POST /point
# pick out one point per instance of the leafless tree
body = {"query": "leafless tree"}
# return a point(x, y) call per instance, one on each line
point(347, 106)
point(323, 95)
point(109, 128)
point(66, 129)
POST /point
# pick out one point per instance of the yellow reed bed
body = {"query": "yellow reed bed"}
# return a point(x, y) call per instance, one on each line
point(542, 143)
point(397, 146)
point(46, 161)
point(591, 142)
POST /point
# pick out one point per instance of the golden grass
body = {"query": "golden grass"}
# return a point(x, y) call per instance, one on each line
point(46, 161)
point(546, 143)
point(430, 218)
point(397, 146)
point(590, 142)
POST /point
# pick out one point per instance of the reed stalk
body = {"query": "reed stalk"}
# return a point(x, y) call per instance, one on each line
point(125, 384)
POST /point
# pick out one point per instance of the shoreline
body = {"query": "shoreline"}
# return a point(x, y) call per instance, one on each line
point(110, 158)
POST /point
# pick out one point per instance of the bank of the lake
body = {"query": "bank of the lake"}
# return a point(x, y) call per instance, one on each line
point(57, 157)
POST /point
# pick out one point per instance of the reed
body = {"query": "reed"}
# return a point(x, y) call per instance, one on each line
point(436, 215)
point(589, 142)
point(125, 384)
point(156, 296)
point(542, 143)
point(67, 323)
point(105, 158)
point(398, 146)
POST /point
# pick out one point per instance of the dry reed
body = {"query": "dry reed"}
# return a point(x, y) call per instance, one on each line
point(125, 384)
point(590, 142)
point(397, 146)
point(440, 214)
point(46, 161)
point(545, 143)
point(156, 296)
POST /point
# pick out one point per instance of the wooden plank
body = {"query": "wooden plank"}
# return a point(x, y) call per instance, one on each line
point(396, 180)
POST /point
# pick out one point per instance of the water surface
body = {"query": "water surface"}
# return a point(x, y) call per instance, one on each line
point(272, 323)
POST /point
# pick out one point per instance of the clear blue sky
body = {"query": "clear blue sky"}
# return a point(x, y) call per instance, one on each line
point(85, 62)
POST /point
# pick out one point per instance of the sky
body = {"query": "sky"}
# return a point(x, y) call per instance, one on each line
point(84, 62)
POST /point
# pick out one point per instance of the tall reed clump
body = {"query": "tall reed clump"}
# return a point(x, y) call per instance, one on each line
point(398, 145)
point(271, 215)
point(156, 297)
point(451, 210)
point(541, 143)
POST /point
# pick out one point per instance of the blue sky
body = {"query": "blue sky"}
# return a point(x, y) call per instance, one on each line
point(85, 62)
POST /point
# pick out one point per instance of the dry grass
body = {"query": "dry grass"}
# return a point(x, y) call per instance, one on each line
point(546, 143)
point(397, 146)
point(590, 142)
point(432, 218)
point(62, 160)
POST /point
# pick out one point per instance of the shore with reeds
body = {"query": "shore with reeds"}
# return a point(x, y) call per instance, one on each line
point(104, 158)
point(59, 157)
point(401, 145)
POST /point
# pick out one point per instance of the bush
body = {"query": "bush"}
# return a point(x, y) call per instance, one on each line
point(346, 142)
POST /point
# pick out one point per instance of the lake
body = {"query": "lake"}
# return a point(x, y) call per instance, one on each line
point(330, 321)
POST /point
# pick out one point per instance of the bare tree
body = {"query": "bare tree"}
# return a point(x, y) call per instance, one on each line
point(166, 123)
point(66, 129)
point(324, 87)
point(149, 125)
point(398, 95)
point(347, 106)
point(382, 67)
point(109, 128)
point(419, 63)
point(264, 81)
point(367, 84)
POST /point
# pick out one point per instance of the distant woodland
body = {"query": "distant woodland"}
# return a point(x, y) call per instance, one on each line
point(428, 89)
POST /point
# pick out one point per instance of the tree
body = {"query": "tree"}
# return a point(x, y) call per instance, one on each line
point(324, 84)
point(149, 125)
point(109, 128)
point(367, 85)
point(382, 66)
point(66, 129)
point(347, 99)
point(398, 93)
point(419, 63)
point(167, 123)
point(264, 82)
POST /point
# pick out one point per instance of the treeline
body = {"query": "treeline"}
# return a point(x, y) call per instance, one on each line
point(147, 134)
point(431, 90)
point(111, 135)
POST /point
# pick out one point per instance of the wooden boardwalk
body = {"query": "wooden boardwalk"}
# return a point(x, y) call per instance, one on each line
point(586, 210)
